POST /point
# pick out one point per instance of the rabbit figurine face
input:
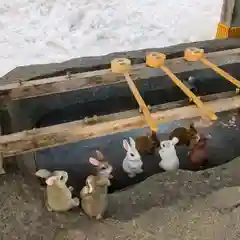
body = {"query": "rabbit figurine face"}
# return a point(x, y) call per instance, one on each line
point(170, 160)
point(59, 178)
point(132, 163)
point(103, 167)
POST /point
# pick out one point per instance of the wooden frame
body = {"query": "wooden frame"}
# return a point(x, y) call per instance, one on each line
point(46, 137)
point(42, 87)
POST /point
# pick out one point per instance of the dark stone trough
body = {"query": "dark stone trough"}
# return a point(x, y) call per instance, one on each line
point(156, 89)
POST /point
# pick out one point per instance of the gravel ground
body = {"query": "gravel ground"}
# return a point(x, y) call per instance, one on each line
point(177, 205)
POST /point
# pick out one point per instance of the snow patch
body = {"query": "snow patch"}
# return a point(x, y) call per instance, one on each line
point(44, 31)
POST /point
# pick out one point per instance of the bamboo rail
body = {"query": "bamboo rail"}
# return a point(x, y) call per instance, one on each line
point(197, 54)
point(157, 60)
point(123, 65)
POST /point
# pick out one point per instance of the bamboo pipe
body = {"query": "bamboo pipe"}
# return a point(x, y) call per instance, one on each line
point(197, 54)
point(152, 124)
point(156, 60)
point(122, 65)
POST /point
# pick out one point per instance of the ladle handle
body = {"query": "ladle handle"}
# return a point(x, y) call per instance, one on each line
point(152, 124)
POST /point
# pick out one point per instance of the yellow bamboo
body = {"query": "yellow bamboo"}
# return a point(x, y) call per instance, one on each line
point(157, 60)
point(190, 94)
point(221, 72)
point(194, 54)
point(147, 115)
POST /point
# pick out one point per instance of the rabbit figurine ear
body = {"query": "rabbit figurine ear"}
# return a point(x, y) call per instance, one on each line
point(209, 136)
point(192, 127)
point(132, 142)
point(126, 145)
point(50, 181)
point(94, 161)
point(175, 141)
point(43, 173)
point(99, 155)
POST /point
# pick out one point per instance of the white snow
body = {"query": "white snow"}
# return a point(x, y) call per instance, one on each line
point(42, 31)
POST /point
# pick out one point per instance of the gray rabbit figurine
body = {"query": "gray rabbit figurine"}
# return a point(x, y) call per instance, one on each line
point(59, 196)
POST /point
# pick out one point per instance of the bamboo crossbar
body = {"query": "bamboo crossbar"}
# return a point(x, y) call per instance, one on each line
point(222, 73)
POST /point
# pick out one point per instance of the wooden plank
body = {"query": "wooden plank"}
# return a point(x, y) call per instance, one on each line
point(42, 87)
point(36, 139)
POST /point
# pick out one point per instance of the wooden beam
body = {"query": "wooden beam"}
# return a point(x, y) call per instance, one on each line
point(47, 86)
point(36, 139)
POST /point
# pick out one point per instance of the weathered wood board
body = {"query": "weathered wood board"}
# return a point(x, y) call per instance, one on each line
point(42, 87)
point(36, 139)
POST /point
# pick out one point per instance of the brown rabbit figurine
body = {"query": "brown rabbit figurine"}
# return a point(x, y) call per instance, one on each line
point(198, 155)
point(94, 196)
point(147, 144)
point(103, 167)
point(187, 137)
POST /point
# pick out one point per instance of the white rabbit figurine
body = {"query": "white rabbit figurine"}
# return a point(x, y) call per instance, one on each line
point(132, 163)
point(170, 160)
